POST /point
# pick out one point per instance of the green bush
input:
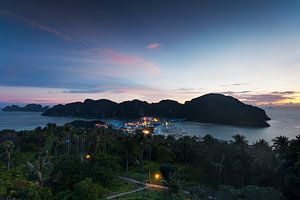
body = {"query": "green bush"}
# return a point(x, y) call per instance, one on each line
point(88, 190)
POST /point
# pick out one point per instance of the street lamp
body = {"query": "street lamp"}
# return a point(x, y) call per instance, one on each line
point(146, 132)
point(157, 176)
point(87, 156)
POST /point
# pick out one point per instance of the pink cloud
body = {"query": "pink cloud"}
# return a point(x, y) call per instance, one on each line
point(139, 90)
point(47, 96)
point(120, 58)
point(153, 46)
point(36, 25)
point(131, 61)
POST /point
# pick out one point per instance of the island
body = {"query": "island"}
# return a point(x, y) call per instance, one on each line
point(209, 108)
point(27, 108)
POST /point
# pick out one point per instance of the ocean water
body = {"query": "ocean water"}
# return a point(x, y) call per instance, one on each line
point(28, 120)
point(285, 121)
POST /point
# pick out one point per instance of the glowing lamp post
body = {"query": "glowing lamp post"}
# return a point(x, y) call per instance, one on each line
point(87, 156)
point(157, 176)
point(146, 132)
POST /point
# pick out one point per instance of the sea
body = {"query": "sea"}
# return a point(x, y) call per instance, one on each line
point(284, 121)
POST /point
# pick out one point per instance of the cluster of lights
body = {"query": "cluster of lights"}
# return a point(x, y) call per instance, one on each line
point(146, 121)
point(143, 124)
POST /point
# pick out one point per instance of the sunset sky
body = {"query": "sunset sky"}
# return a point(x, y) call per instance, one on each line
point(63, 51)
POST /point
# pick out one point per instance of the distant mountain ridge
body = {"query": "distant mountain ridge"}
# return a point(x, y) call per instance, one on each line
point(27, 108)
point(209, 108)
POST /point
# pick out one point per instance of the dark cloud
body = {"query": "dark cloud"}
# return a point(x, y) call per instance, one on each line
point(285, 92)
point(234, 84)
point(238, 84)
point(266, 98)
point(85, 91)
point(187, 90)
point(236, 93)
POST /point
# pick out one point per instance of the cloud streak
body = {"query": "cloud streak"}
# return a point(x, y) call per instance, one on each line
point(131, 61)
point(235, 84)
point(115, 88)
point(285, 92)
point(36, 25)
point(153, 46)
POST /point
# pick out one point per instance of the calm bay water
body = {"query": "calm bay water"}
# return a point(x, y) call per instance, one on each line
point(28, 120)
point(285, 121)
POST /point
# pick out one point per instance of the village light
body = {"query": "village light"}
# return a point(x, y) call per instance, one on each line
point(146, 132)
point(88, 156)
point(157, 176)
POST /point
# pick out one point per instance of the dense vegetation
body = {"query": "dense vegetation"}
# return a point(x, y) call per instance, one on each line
point(52, 163)
point(211, 108)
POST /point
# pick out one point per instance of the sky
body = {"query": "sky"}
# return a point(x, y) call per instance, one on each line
point(62, 51)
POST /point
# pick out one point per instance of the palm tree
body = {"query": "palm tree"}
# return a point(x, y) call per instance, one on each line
point(40, 168)
point(8, 149)
point(77, 142)
point(131, 150)
point(51, 127)
point(208, 139)
point(242, 157)
point(39, 132)
point(83, 143)
point(101, 141)
point(148, 147)
point(263, 162)
point(67, 137)
point(261, 144)
point(168, 171)
point(59, 140)
point(240, 140)
point(219, 168)
point(280, 143)
point(142, 143)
